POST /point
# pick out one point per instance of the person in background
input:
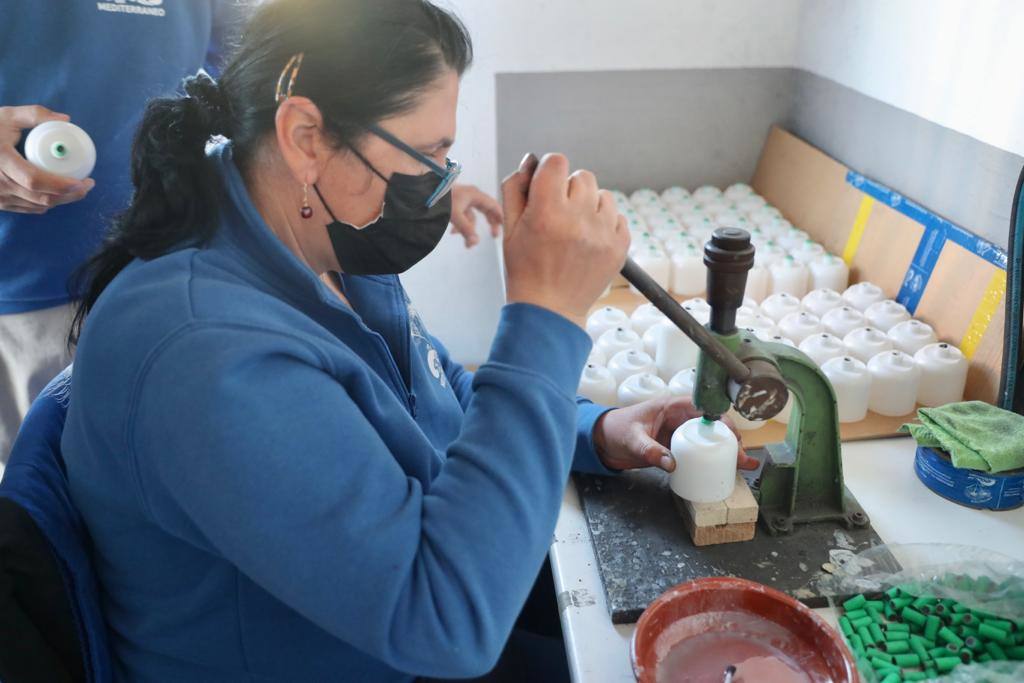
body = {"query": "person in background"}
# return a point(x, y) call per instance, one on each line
point(95, 64)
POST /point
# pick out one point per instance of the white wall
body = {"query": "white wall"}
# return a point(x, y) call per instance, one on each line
point(952, 62)
point(458, 293)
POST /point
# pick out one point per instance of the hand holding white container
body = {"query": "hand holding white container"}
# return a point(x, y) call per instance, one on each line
point(895, 379)
point(851, 382)
point(705, 452)
point(640, 388)
point(910, 336)
point(943, 374)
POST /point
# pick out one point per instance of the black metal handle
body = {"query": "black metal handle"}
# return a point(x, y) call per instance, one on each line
point(664, 302)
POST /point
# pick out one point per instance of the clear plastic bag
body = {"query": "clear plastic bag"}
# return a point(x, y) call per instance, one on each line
point(976, 578)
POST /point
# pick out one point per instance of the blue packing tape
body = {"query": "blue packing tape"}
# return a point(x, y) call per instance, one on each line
point(981, 490)
point(937, 231)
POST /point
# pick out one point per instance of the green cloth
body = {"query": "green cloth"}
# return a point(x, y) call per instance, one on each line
point(978, 436)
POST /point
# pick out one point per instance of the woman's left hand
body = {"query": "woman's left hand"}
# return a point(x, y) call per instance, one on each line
point(641, 435)
point(467, 200)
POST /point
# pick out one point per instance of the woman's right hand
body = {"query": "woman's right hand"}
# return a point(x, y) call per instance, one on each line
point(564, 238)
point(23, 187)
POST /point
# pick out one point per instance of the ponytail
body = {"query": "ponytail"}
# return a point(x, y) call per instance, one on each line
point(176, 189)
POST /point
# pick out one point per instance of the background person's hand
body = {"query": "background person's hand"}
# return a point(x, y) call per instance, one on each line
point(23, 187)
point(564, 238)
point(641, 435)
point(467, 201)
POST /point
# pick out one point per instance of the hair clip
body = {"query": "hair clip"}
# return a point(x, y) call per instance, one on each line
point(294, 64)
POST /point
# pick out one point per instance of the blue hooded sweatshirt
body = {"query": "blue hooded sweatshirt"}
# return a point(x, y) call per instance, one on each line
point(280, 487)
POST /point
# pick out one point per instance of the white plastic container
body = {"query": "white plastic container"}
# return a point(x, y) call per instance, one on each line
point(778, 306)
point(779, 339)
point(759, 283)
point(895, 379)
point(765, 217)
point(644, 195)
point(664, 224)
point(886, 314)
point(674, 194)
point(808, 251)
point(851, 382)
point(597, 357)
point(604, 319)
point(771, 254)
point(799, 326)
point(699, 308)
point(61, 148)
point(910, 336)
point(821, 301)
point(750, 204)
point(738, 191)
point(865, 343)
point(843, 320)
point(943, 374)
point(679, 241)
point(863, 294)
point(675, 352)
point(705, 453)
point(706, 193)
point(640, 388)
point(790, 276)
point(657, 264)
point(683, 382)
point(761, 325)
point(829, 272)
point(696, 222)
point(823, 347)
point(793, 238)
point(628, 363)
point(689, 274)
point(619, 339)
point(650, 337)
point(645, 317)
point(598, 384)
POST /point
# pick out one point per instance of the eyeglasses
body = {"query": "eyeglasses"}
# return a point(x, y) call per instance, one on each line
point(448, 174)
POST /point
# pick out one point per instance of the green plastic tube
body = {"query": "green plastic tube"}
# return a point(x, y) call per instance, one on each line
point(931, 627)
point(945, 664)
point(947, 636)
point(912, 616)
point(856, 602)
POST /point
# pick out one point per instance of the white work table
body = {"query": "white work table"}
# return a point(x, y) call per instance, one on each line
point(879, 473)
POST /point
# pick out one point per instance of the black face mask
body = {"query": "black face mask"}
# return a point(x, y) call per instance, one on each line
point(404, 234)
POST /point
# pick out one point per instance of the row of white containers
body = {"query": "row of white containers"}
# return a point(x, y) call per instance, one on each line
point(876, 356)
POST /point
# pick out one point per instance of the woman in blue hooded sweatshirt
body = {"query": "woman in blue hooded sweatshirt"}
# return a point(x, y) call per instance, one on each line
point(284, 474)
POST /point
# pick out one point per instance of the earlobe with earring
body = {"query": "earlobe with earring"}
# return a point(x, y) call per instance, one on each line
point(306, 211)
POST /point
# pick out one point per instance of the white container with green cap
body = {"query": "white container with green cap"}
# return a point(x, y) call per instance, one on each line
point(705, 452)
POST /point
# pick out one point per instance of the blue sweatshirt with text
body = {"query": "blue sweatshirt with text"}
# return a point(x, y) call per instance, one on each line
point(280, 487)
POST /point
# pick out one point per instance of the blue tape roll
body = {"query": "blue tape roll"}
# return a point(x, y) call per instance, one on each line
point(979, 490)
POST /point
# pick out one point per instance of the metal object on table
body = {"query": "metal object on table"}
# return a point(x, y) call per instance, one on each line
point(802, 481)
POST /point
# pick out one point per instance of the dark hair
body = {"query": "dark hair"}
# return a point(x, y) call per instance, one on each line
point(364, 61)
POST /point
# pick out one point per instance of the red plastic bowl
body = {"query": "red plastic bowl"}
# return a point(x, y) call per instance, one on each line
point(809, 639)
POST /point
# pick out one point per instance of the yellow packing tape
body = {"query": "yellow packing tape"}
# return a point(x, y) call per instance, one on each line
point(983, 314)
point(857, 232)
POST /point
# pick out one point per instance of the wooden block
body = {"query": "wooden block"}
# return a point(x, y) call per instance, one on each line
point(727, 533)
point(741, 507)
point(708, 514)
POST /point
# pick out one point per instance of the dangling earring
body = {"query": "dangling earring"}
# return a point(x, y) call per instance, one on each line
point(307, 210)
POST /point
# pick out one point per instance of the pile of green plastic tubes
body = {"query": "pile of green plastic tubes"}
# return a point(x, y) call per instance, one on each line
point(906, 637)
